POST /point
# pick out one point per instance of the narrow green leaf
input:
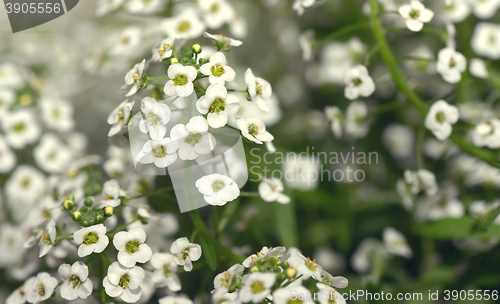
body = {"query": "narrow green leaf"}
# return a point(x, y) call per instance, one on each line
point(208, 252)
point(483, 224)
point(227, 213)
point(286, 224)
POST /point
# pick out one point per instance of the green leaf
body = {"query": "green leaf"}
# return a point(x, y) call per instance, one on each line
point(227, 213)
point(208, 252)
point(286, 224)
point(449, 229)
point(483, 224)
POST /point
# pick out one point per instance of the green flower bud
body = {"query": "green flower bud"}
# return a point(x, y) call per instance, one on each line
point(254, 269)
point(291, 272)
point(88, 202)
point(185, 60)
point(68, 204)
point(85, 223)
point(273, 261)
point(202, 61)
point(262, 268)
point(189, 55)
point(91, 222)
point(77, 215)
point(99, 218)
point(174, 60)
point(285, 264)
point(196, 48)
point(84, 209)
point(108, 211)
point(276, 269)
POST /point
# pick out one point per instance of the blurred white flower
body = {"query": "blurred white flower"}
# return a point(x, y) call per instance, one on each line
point(106, 6)
point(162, 153)
point(439, 119)
point(42, 288)
point(124, 282)
point(193, 138)
point(451, 64)
point(127, 42)
point(175, 300)
point(156, 116)
point(184, 253)
point(264, 254)
point(224, 280)
point(306, 40)
point(361, 260)
point(485, 9)
point(20, 128)
point(7, 98)
point(143, 6)
point(301, 172)
point(421, 180)
point(358, 83)
point(334, 114)
point(181, 80)
point(119, 117)
point(333, 295)
point(217, 70)
point(218, 104)
point(10, 76)
point(485, 40)
point(133, 77)
point(22, 189)
point(481, 208)
point(356, 120)
point(186, 24)
point(444, 204)
point(395, 243)
point(284, 295)
point(305, 267)
point(131, 247)
point(217, 189)
point(19, 296)
point(399, 139)
point(477, 68)
point(91, 239)
point(52, 155)
point(254, 129)
point(415, 15)
point(271, 190)
point(57, 113)
point(455, 11)
point(111, 193)
point(75, 281)
point(8, 158)
point(216, 12)
point(165, 274)
point(259, 89)
point(300, 5)
point(487, 134)
point(221, 38)
point(257, 286)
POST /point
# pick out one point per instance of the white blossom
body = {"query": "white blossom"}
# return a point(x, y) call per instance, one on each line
point(42, 289)
point(76, 281)
point(165, 274)
point(216, 12)
point(52, 155)
point(155, 117)
point(486, 40)
point(257, 286)
point(415, 15)
point(224, 39)
point(271, 190)
point(217, 70)
point(395, 243)
point(91, 239)
point(162, 153)
point(451, 64)
point(20, 128)
point(358, 83)
point(218, 105)
point(193, 138)
point(131, 247)
point(186, 25)
point(181, 80)
point(300, 5)
point(217, 189)
point(184, 253)
point(127, 42)
point(254, 129)
point(124, 282)
point(439, 119)
point(259, 89)
point(111, 193)
point(57, 113)
point(47, 238)
point(224, 280)
point(133, 77)
point(118, 118)
point(487, 134)
point(477, 68)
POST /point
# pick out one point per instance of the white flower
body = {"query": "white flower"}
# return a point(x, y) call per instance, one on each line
point(133, 77)
point(254, 129)
point(486, 40)
point(57, 113)
point(143, 6)
point(300, 5)
point(415, 15)
point(301, 172)
point(106, 6)
point(444, 204)
point(47, 238)
point(52, 155)
point(356, 120)
point(358, 82)
point(76, 282)
point(216, 12)
point(162, 153)
point(399, 139)
point(118, 118)
point(7, 98)
point(291, 293)
point(306, 39)
point(217, 70)
point(7, 158)
point(455, 11)
point(127, 42)
point(10, 75)
point(155, 117)
point(91, 239)
point(131, 247)
point(451, 65)
point(20, 128)
point(184, 253)
point(186, 25)
point(305, 266)
point(334, 297)
point(481, 208)
point(271, 190)
point(477, 68)
point(111, 193)
point(226, 41)
point(217, 189)
point(364, 255)
point(439, 119)
point(395, 243)
point(259, 89)
point(165, 273)
point(124, 282)
point(218, 104)
point(487, 134)
point(19, 296)
point(181, 80)
point(485, 9)
point(224, 280)
point(165, 48)
point(175, 300)
point(193, 138)
point(42, 289)
point(421, 180)
point(334, 114)
point(264, 254)
point(257, 286)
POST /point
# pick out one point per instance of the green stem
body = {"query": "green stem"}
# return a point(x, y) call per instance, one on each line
point(102, 274)
point(387, 107)
point(158, 78)
point(249, 194)
point(156, 84)
point(343, 31)
point(420, 147)
point(241, 91)
point(156, 192)
point(123, 226)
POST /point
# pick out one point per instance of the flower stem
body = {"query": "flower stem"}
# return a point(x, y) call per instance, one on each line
point(341, 32)
point(158, 78)
point(123, 226)
point(249, 194)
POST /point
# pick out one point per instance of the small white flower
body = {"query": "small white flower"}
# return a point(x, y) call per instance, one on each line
point(254, 129)
point(217, 70)
point(421, 180)
point(334, 114)
point(10, 75)
point(118, 118)
point(106, 6)
point(20, 128)
point(300, 5)
point(329, 295)
point(111, 193)
point(7, 98)
point(165, 48)
point(284, 295)
point(399, 139)
point(216, 12)
point(444, 204)
point(477, 68)
point(184, 253)
point(306, 39)
point(76, 282)
point(224, 280)
point(487, 134)
point(186, 25)
point(485, 9)
point(257, 286)
point(42, 289)
point(415, 15)
point(358, 83)
point(52, 155)
point(155, 117)
point(175, 300)
point(162, 153)
point(451, 64)
point(218, 105)
point(7, 158)
point(193, 138)
point(356, 120)
point(455, 11)
point(271, 190)
point(127, 42)
point(486, 40)
point(131, 247)
point(395, 243)
point(143, 6)
point(165, 274)
point(181, 80)
point(19, 296)
point(439, 119)
point(217, 189)
point(264, 254)
point(259, 89)
point(57, 113)
point(47, 238)
point(224, 39)
point(124, 282)
point(362, 258)
point(91, 239)
point(133, 77)
point(305, 266)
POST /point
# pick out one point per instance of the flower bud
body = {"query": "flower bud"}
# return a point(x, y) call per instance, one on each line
point(276, 269)
point(174, 60)
point(91, 222)
point(85, 223)
point(273, 261)
point(249, 97)
point(99, 218)
point(196, 48)
point(68, 204)
point(202, 61)
point(189, 55)
point(254, 269)
point(262, 268)
point(84, 209)
point(285, 264)
point(291, 272)
point(77, 215)
point(108, 211)
point(88, 202)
